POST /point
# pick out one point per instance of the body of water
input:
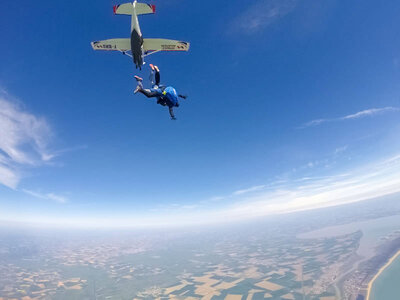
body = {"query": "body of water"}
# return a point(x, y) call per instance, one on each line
point(387, 284)
point(373, 232)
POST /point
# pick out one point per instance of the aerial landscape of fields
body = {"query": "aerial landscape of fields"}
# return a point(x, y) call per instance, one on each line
point(287, 259)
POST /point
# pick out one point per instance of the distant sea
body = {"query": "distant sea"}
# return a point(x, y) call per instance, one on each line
point(387, 285)
point(373, 230)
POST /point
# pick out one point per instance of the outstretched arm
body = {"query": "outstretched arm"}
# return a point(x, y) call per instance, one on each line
point(171, 113)
point(182, 96)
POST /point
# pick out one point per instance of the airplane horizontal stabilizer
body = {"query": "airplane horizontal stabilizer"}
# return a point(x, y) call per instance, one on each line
point(141, 9)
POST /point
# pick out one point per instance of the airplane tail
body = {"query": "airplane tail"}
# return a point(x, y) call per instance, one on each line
point(141, 9)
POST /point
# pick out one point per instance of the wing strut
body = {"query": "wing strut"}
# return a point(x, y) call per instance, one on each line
point(147, 54)
point(124, 52)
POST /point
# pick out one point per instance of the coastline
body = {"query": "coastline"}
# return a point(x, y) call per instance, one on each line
point(371, 283)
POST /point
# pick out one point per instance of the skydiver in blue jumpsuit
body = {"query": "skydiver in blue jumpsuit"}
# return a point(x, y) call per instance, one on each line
point(166, 95)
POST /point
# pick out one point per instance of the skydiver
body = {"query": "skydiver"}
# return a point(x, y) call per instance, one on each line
point(166, 95)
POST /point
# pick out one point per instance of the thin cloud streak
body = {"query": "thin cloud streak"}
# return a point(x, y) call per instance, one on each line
point(341, 149)
point(370, 112)
point(47, 196)
point(249, 190)
point(262, 14)
point(361, 114)
point(57, 153)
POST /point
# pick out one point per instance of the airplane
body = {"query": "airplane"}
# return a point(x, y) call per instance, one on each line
point(138, 46)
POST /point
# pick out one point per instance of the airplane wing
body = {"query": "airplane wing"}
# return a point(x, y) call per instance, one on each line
point(141, 9)
point(112, 45)
point(150, 45)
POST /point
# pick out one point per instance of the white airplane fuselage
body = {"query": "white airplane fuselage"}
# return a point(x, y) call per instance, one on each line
point(136, 39)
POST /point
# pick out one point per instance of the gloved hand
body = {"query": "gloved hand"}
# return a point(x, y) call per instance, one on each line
point(173, 118)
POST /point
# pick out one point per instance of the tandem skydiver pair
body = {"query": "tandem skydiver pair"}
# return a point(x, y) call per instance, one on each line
point(166, 95)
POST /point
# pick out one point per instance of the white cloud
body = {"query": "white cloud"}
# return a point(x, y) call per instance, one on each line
point(315, 122)
point(370, 112)
point(263, 13)
point(57, 153)
point(8, 176)
point(341, 149)
point(47, 196)
point(249, 190)
point(23, 140)
point(216, 198)
point(362, 184)
point(357, 115)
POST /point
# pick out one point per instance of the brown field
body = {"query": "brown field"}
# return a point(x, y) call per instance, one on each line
point(209, 296)
point(206, 279)
point(251, 293)
point(269, 285)
point(252, 273)
point(42, 292)
point(233, 297)
point(249, 296)
point(175, 288)
point(75, 287)
point(227, 285)
point(298, 269)
point(204, 290)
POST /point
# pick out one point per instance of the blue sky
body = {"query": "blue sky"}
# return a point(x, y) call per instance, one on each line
point(292, 105)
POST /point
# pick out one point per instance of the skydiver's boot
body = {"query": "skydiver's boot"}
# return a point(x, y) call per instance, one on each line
point(154, 68)
point(139, 84)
